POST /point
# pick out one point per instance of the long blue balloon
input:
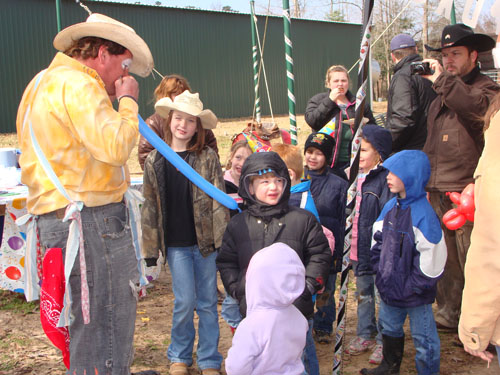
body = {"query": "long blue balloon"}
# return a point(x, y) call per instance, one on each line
point(184, 167)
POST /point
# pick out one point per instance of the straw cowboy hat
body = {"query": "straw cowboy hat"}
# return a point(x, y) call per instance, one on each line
point(105, 27)
point(462, 35)
point(189, 103)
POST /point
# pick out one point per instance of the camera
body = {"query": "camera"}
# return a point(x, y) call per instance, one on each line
point(421, 68)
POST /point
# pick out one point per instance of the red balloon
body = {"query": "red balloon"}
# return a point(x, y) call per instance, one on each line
point(469, 190)
point(13, 273)
point(466, 204)
point(453, 219)
point(455, 223)
point(470, 217)
point(451, 214)
point(454, 197)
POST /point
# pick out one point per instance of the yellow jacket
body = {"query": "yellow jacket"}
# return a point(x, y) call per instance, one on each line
point(480, 319)
point(85, 140)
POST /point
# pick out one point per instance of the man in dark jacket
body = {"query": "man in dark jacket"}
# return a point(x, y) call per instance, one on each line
point(409, 98)
point(454, 144)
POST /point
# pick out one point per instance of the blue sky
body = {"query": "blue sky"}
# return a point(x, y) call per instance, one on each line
point(316, 9)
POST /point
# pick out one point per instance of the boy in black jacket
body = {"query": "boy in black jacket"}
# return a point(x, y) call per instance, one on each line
point(265, 188)
point(329, 192)
point(264, 223)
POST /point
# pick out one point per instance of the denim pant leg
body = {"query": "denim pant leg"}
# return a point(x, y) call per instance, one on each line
point(365, 295)
point(205, 274)
point(181, 264)
point(497, 347)
point(105, 345)
point(325, 314)
point(426, 339)
point(230, 311)
point(391, 320)
point(309, 357)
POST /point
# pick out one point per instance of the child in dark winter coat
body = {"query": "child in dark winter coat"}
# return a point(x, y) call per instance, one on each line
point(265, 188)
point(329, 193)
point(372, 194)
point(409, 254)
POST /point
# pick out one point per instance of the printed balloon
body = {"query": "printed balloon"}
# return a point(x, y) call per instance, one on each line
point(15, 242)
point(13, 273)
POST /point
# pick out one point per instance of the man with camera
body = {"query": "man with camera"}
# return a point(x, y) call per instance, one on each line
point(454, 144)
point(409, 96)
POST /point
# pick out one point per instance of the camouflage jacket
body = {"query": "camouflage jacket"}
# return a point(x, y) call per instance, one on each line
point(210, 217)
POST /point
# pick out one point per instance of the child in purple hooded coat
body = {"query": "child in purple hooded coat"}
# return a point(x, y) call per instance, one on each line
point(271, 339)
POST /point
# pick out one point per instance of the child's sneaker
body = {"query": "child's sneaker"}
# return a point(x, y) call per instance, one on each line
point(377, 356)
point(359, 345)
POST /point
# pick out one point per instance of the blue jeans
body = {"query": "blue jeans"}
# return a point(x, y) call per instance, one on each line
point(367, 297)
point(309, 357)
point(498, 353)
point(105, 345)
point(423, 331)
point(230, 311)
point(325, 313)
point(194, 283)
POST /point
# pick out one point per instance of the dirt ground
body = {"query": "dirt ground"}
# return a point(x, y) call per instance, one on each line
point(24, 349)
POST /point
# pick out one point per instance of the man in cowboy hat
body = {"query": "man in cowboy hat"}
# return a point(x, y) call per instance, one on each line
point(74, 152)
point(454, 144)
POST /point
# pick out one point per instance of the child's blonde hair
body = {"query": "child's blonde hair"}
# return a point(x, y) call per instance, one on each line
point(234, 148)
point(292, 157)
point(374, 148)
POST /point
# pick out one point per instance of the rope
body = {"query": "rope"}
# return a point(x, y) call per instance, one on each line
point(262, 65)
point(84, 7)
point(383, 32)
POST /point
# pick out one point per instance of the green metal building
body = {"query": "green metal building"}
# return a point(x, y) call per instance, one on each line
point(211, 49)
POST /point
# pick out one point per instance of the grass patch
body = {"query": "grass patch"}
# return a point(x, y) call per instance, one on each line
point(7, 364)
point(16, 302)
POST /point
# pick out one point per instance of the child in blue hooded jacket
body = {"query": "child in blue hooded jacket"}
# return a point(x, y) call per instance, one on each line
point(408, 255)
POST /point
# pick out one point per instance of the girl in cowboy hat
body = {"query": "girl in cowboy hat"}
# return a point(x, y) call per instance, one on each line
point(186, 225)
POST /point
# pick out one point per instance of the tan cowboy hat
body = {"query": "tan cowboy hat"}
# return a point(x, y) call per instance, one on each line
point(189, 103)
point(105, 27)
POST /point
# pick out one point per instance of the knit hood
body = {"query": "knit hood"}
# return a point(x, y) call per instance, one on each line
point(380, 138)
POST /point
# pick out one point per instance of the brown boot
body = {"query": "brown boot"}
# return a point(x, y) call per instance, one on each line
point(178, 368)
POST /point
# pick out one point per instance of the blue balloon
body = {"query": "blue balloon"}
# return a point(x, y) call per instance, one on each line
point(184, 167)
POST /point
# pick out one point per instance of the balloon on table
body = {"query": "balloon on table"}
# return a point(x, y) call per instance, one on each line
point(13, 273)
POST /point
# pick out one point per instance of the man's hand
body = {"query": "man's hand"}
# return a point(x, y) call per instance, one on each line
point(436, 67)
point(128, 86)
point(485, 355)
point(335, 93)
